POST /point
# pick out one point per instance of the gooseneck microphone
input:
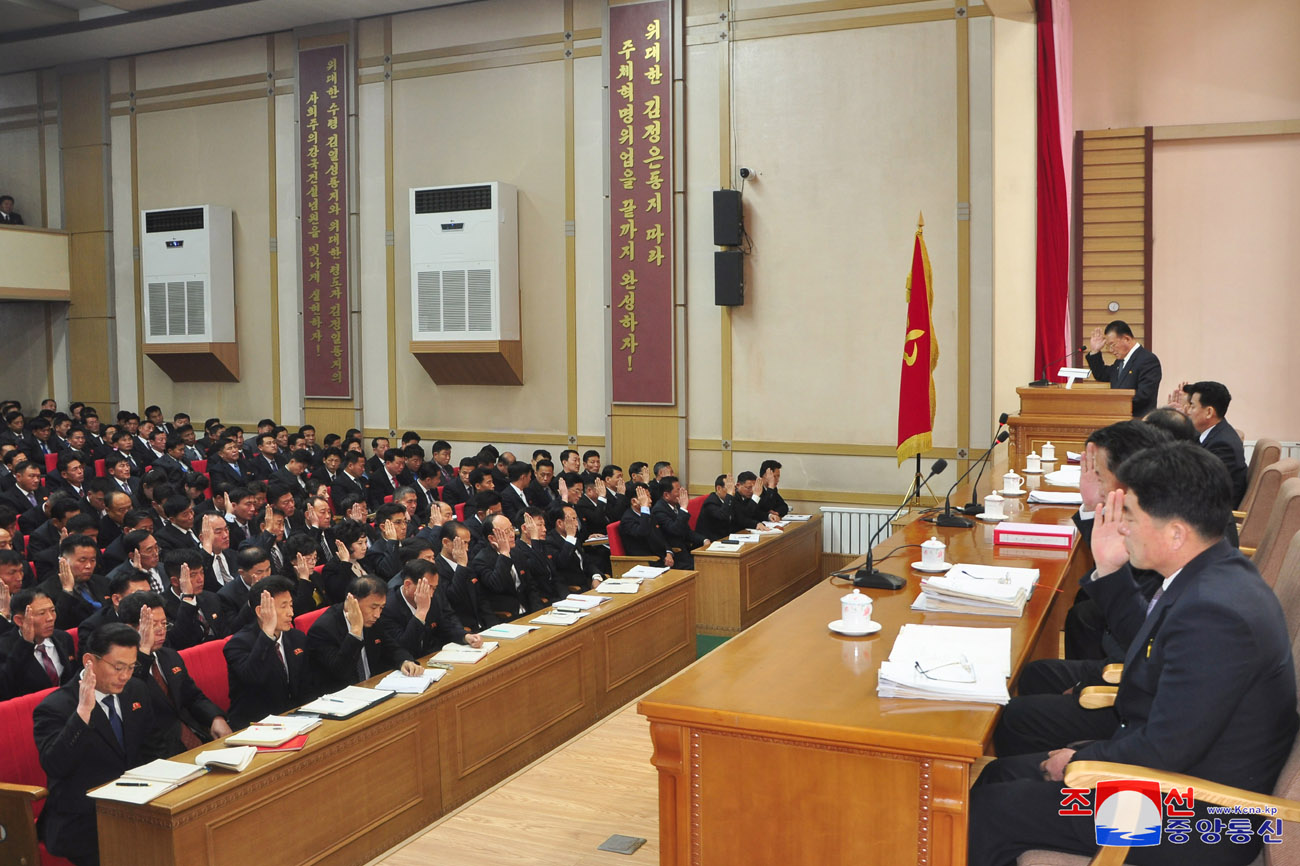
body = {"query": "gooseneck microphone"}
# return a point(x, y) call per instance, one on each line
point(975, 506)
point(947, 518)
point(868, 576)
point(1044, 381)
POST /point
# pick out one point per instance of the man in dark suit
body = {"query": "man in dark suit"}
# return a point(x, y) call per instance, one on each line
point(27, 495)
point(532, 558)
point(457, 490)
point(254, 566)
point(1207, 406)
point(386, 479)
point(508, 594)
point(9, 216)
point(71, 475)
point(227, 465)
point(345, 644)
point(195, 614)
point(267, 660)
point(266, 462)
point(1135, 367)
point(639, 531)
point(769, 481)
point(1208, 688)
point(34, 655)
point(118, 471)
point(126, 581)
point(49, 533)
point(77, 592)
point(294, 474)
point(184, 717)
point(418, 616)
point(350, 481)
point(574, 570)
point(88, 733)
point(463, 593)
point(178, 534)
point(719, 516)
point(514, 498)
point(173, 461)
point(674, 521)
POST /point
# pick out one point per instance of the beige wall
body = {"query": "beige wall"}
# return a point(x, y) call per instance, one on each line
point(1224, 208)
point(854, 119)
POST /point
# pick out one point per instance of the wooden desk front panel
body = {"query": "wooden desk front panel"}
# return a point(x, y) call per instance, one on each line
point(643, 649)
point(736, 590)
point(372, 790)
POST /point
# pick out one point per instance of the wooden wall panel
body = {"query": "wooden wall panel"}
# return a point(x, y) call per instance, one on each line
point(1112, 233)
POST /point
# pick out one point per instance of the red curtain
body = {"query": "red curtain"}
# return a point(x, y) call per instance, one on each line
point(1053, 250)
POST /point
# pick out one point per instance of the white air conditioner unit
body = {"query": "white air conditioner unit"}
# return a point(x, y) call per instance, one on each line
point(187, 261)
point(465, 263)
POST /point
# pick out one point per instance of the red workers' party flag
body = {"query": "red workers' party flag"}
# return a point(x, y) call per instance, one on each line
point(920, 355)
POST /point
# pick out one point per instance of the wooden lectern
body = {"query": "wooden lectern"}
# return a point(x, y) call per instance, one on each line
point(1065, 417)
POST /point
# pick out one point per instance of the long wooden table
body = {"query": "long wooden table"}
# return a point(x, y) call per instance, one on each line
point(738, 589)
point(775, 749)
point(364, 784)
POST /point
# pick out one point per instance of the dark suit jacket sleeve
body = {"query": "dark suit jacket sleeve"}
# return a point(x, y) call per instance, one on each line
point(1085, 529)
point(1147, 393)
point(1097, 364)
point(60, 734)
point(1121, 602)
point(251, 661)
point(770, 500)
point(333, 650)
point(1209, 661)
point(493, 571)
point(70, 608)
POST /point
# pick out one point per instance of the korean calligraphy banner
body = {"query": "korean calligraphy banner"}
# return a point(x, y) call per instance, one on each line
point(323, 164)
point(641, 202)
point(920, 356)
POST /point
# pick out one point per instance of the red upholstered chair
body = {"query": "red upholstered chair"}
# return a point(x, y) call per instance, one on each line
point(388, 500)
point(459, 508)
point(304, 622)
point(693, 508)
point(207, 666)
point(22, 791)
point(199, 466)
point(439, 492)
point(99, 468)
point(619, 561)
point(51, 462)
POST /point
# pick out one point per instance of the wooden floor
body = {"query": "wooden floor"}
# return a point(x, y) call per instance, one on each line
point(557, 811)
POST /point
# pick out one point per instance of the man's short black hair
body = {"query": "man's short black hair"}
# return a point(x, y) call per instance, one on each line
point(250, 557)
point(24, 597)
point(104, 638)
point(467, 462)
point(1173, 422)
point(1213, 394)
point(440, 445)
point(746, 476)
point(541, 452)
point(607, 471)
point(768, 464)
point(450, 530)
point(666, 485)
point(128, 611)
point(518, 470)
point(720, 481)
point(1122, 440)
point(564, 455)
point(123, 578)
point(416, 570)
point(72, 542)
point(1183, 481)
point(61, 506)
point(1119, 328)
point(275, 584)
point(484, 499)
point(365, 586)
point(589, 453)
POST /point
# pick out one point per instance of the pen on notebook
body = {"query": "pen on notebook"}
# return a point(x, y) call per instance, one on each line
point(131, 784)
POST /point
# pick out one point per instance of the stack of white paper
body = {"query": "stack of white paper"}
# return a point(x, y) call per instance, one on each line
point(146, 782)
point(507, 630)
point(983, 589)
point(236, 758)
point(273, 731)
point(559, 617)
point(725, 545)
point(1066, 476)
point(616, 585)
point(797, 518)
point(454, 653)
point(947, 663)
point(1055, 497)
point(743, 537)
point(576, 602)
point(399, 683)
point(642, 571)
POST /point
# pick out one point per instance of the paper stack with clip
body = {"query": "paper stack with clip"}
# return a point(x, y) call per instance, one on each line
point(946, 663)
point(981, 589)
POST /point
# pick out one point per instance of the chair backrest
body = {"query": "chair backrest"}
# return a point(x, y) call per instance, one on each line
point(199, 466)
point(459, 508)
point(19, 762)
point(1283, 524)
point(99, 468)
point(1287, 852)
point(206, 663)
point(304, 622)
point(615, 540)
point(51, 462)
point(693, 508)
point(1287, 586)
point(1270, 482)
point(1265, 453)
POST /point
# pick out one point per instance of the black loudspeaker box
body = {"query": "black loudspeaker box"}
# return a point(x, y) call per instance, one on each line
point(726, 218)
point(729, 278)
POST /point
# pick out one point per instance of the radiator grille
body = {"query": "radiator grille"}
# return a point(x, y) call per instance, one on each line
point(847, 530)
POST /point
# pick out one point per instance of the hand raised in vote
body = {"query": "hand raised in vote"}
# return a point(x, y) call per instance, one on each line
point(27, 631)
point(191, 582)
point(206, 537)
point(135, 560)
point(460, 551)
point(342, 550)
point(729, 485)
point(564, 490)
point(1108, 549)
point(66, 580)
point(1089, 479)
point(358, 512)
point(599, 484)
point(503, 539)
point(302, 567)
point(146, 630)
point(642, 498)
point(683, 497)
point(1096, 341)
point(620, 486)
point(389, 530)
point(4, 601)
point(268, 618)
point(352, 616)
point(423, 598)
point(86, 692)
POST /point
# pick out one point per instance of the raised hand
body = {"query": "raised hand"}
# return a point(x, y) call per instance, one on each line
point(564, 491)
point(642, 497)
point(1089, 479)
point(146, 630)
point(762, 483)
point(358, 512)
point(268, 619)
point(503, 539)
point(28, 630)
point(206, 536)
point(266, 516)
point(1108, 549)
point(423, 598)
point(190, 583)
point(1096, 341)
point(66, 580)
point(389, 530)
point(599, 484)
point(460, 551)
point(135, 560)
point(683, 497)
point(435, 517)
point(769, 479)
point(620, 486)
point(4, 601)
point(729, 485)
point(302, 567)
point(342, 550)
point(352, 615)
point(86, 692)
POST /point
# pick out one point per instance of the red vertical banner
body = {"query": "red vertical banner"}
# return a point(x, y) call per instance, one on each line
point(641, 203)
point(323, 214)
point(920, 357)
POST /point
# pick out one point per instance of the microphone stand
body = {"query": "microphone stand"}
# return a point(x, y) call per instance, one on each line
point(1044, 381)
point(975, 506)
point(947, 518)
point(868, 576)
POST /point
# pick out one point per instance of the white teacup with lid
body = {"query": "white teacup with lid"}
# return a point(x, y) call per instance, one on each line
point(932, 552)
point(993, 506)
point(1033, 463)
point(1049, 452)
point(855, 611)
point(1011, 483)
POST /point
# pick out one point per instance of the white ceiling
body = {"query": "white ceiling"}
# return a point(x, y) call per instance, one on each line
point(36, 34)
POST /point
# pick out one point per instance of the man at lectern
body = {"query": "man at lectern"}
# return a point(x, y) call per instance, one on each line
point(1135, 367)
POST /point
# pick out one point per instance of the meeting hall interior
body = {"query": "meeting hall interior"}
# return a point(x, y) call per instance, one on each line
point(617, 431)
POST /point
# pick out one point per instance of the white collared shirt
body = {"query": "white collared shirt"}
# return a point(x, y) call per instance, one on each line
point(51, 653)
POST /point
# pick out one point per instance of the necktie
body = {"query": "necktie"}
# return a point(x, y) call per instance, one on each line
point(276, 559)
point(85, 593)
point(31, 497)
point(219, 566)
point(115, 721)
point(235, 467)
point(363, 664)
point(126, 488)
point(48, 664)
point(1155, 598)
point(279, 647)
point(188, 739)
